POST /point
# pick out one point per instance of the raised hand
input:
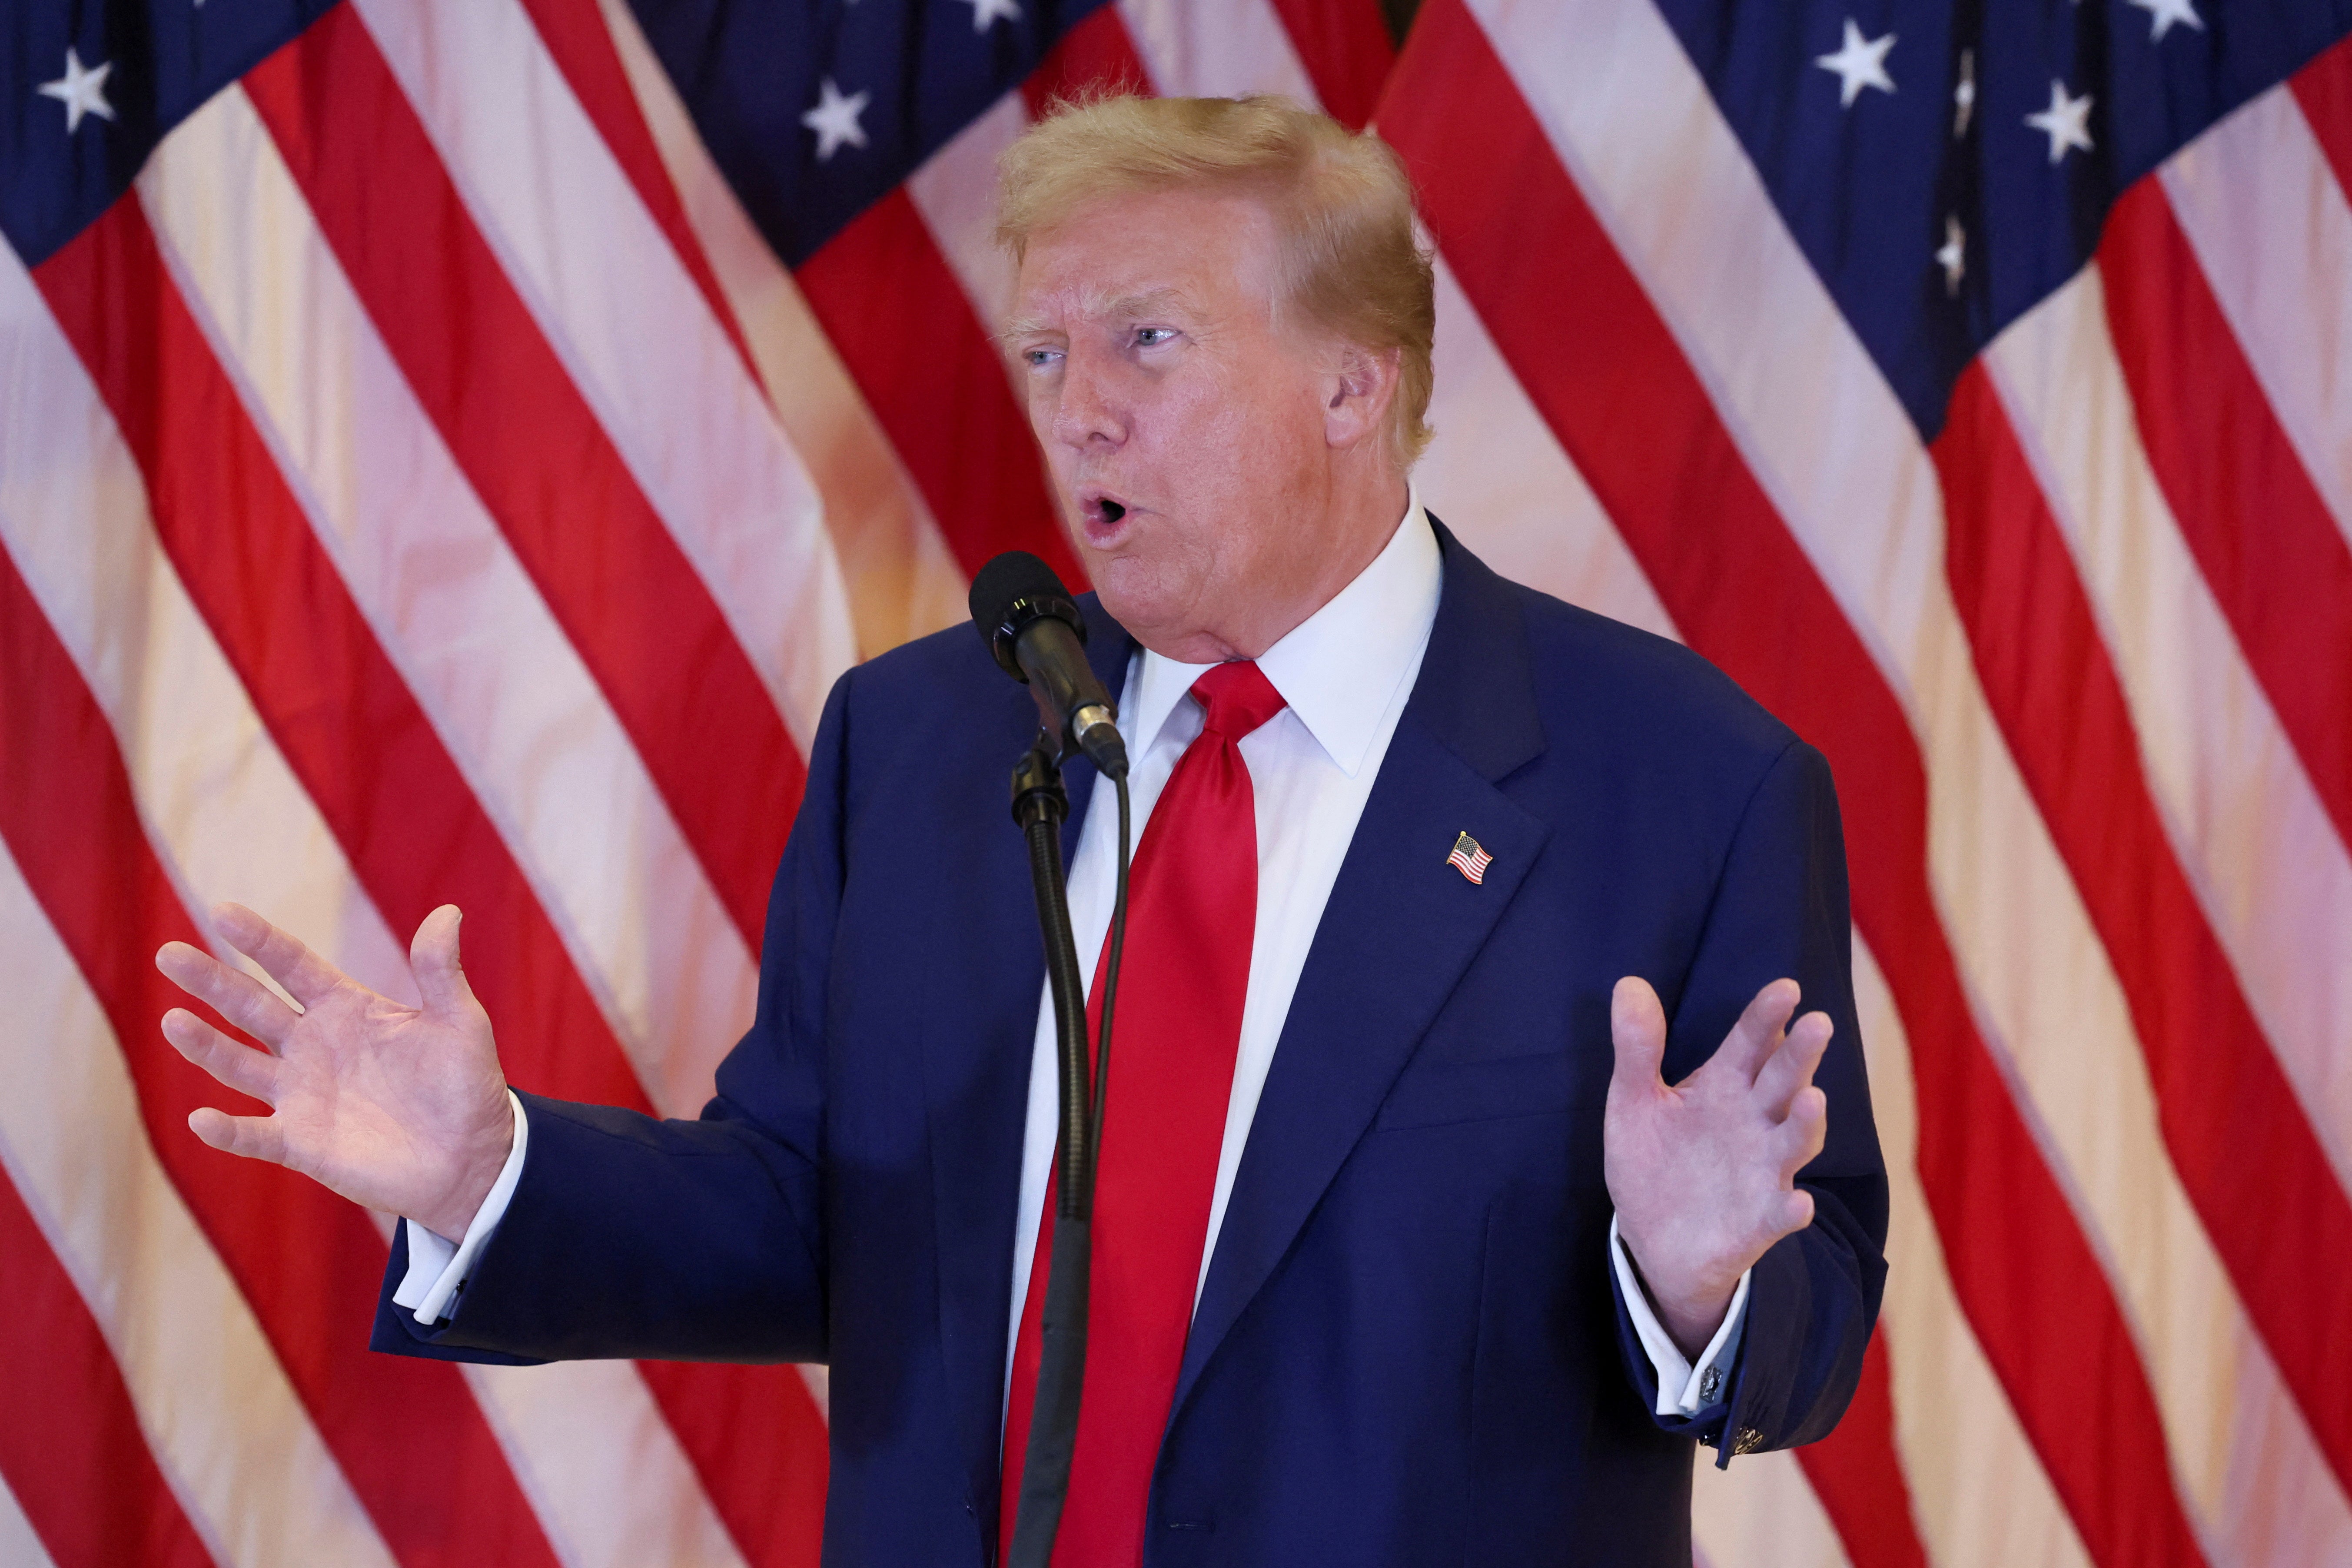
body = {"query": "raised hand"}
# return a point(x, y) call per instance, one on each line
point(1702, 1172)
point(401, 1109)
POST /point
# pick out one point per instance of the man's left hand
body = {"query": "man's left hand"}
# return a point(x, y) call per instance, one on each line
point(1704, 1172)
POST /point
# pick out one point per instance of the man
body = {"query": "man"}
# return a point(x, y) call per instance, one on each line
point(1406, 1251)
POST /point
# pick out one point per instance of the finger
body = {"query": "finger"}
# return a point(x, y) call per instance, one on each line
point(433, 959)
point(235, 995)
point(308, 978)
point(1795, 1211)
point(252, 1137)
point(1637, 1027)
point(241, 1067)
point(1798, 1138)
point(1792, 1066)
point(1758, 1034)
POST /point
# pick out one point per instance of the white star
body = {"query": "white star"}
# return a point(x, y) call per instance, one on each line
point(834, 119)
point(1953, 257)
point(983, 12)
point(1963, 97)
point(2065, 122)
point(1859, 62)
point(2162, 13)
point(81, 92)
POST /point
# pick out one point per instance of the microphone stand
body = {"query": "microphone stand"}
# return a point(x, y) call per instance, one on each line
point(1040, 806)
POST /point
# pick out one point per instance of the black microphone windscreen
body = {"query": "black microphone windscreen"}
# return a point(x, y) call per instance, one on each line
point(1005, 582)
point(1011, 592)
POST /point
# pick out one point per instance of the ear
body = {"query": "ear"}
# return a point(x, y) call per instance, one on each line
point(1357, 393)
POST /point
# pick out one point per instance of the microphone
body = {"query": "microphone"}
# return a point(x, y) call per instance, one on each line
point(1034, 630)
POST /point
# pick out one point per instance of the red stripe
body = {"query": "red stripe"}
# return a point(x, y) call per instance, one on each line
point(584, 51)
point(2324, 88)
point(611, 572)
point(1097, 55)
point(2246, 1155)
point(71, 1450)
point(2262, 536)
point(1345, 46)
point(902, 324)
point(406, 1433)
point(1856, 1473)
point(1639, 426)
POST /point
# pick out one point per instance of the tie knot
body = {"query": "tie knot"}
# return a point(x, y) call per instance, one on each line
point(1238, 697)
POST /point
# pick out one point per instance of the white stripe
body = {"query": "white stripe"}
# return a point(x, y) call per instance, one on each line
point(1497, 475)
point(19, 1547)
point(454, 609)
point(225, 1428)
point(901, 580)
point(1760, 1512)
point(1193, 51)
point(2270, 873)
point(2269, 223)
point(1630, 117)
point(819, 1381)
point(1978, 1494)
point(221, 803)
point(637, 337)
point(955, 190)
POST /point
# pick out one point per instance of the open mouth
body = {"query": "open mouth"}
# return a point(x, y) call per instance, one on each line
point(1101, 511)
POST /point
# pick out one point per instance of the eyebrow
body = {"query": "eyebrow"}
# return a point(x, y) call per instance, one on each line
point(1151, 302)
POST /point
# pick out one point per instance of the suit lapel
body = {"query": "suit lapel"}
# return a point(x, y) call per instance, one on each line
point(1399, 928)
point(977, 1048)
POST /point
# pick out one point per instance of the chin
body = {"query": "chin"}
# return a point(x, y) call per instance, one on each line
point(1126, 589)
point(1138, 593)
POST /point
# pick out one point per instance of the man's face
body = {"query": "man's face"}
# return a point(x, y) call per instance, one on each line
point(1188, 435)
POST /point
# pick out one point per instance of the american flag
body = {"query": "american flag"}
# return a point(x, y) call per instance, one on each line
point(449, 447)
point(1469, 859)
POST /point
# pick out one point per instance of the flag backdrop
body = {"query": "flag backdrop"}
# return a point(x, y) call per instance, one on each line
point(447, 447)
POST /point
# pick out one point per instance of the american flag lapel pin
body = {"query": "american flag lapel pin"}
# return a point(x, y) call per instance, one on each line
point(1469, 859)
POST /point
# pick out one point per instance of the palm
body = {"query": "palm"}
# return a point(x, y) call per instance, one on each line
point(401, 1109)
point(1703, 1172)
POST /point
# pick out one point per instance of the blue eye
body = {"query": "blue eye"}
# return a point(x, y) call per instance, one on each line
point(1152, 337)
point(1040, 358)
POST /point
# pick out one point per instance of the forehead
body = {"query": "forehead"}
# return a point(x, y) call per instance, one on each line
point(1195, 250)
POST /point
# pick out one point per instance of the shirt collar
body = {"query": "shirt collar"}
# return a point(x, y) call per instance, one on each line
point(1340, 667)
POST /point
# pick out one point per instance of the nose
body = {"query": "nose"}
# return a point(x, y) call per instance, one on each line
point(1088, 410)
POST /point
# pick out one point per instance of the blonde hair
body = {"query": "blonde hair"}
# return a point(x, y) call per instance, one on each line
point(1341, 204)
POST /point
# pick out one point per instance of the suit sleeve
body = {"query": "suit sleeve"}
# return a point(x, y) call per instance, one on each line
point(1780, 909)
point(702, 1240)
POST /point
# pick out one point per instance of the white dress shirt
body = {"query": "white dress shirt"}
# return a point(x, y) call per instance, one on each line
point(1345, 672)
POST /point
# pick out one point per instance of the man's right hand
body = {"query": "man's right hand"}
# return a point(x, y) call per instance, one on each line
point(401, 1109)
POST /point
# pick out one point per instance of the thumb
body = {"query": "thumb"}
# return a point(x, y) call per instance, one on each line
point(433, 959)
point(1637, 1024)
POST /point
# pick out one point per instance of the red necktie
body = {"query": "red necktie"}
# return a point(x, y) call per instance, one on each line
point(1191, 914)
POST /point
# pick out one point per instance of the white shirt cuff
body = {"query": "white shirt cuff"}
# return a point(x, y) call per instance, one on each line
point(1682, 1389)
point(437, 1267)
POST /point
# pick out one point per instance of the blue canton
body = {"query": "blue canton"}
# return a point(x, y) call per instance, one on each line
point(778, 87)
point(813, 111)
point(70, 145)
point(1946, 164)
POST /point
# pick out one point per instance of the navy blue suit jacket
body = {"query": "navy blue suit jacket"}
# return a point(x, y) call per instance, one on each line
point(1409, 1348)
